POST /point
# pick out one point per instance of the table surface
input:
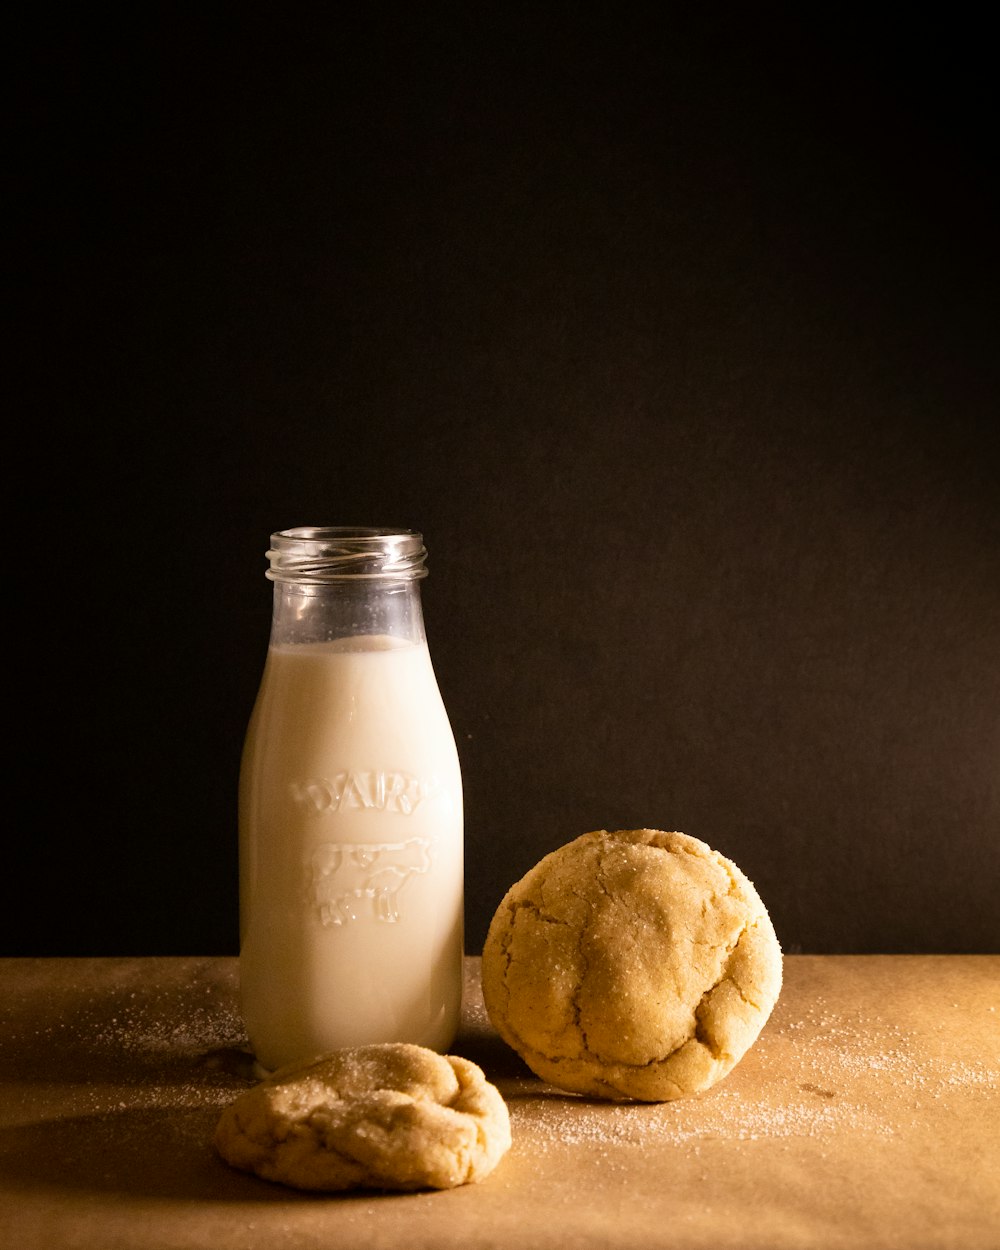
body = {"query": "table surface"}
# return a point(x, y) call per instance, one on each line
point(866, 1115)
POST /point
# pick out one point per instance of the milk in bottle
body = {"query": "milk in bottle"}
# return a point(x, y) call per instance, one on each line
point(351, 822)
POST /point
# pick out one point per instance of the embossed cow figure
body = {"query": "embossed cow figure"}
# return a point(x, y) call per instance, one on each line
point(345, 873)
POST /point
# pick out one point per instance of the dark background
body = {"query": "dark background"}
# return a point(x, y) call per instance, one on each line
point(676, 339)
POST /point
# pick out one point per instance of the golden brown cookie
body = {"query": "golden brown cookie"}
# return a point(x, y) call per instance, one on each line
point(391, 1116)
point(631, 965)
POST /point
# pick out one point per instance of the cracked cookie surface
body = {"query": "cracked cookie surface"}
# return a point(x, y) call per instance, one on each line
point(390, 1116)
point(636, 965)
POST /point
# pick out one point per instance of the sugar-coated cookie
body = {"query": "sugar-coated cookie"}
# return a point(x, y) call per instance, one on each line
point(631, 965)
point(391, 1116)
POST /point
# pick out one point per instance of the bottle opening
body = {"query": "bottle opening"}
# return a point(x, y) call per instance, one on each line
point(319, 554)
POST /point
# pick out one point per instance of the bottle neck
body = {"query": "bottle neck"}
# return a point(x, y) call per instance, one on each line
point(310, 613)
point(338, 583)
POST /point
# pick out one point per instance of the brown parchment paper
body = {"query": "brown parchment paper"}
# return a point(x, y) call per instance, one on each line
point(865, 1116)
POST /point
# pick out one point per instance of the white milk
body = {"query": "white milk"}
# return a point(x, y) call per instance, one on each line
point(351, 866)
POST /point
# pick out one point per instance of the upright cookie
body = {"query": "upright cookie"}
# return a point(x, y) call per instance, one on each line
point(392, 1116)
point(631, 965)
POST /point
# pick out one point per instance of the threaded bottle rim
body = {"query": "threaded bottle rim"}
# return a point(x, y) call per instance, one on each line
point(318, 554)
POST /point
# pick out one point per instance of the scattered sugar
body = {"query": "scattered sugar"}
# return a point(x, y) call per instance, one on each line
point(180, 1046)
point(726, 1116)
point(183, 1048)
point(850, 1075)
point(145, 1031)
point(474, 1015)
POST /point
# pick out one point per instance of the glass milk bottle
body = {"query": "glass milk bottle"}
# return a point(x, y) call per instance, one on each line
point(351, 817)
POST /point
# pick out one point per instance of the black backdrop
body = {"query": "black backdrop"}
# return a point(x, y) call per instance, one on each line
point(677, 340)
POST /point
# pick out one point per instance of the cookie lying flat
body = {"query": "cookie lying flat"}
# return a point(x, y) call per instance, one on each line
point(392, 1116)
point(631, 965)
